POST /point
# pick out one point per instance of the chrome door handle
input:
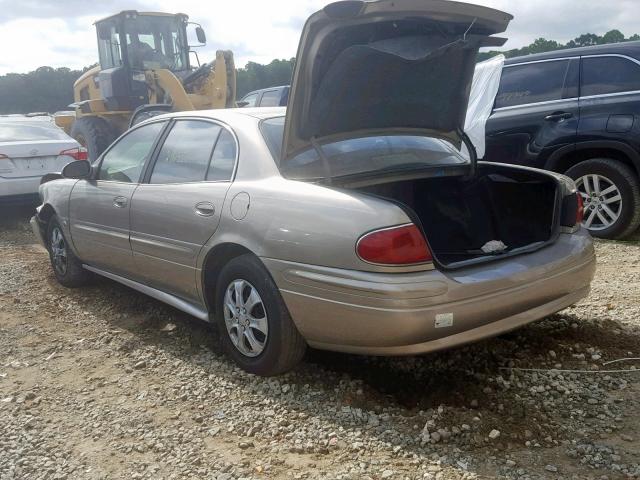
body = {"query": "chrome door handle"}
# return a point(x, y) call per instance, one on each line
point(557, 116)
point(205, 209)
point(119, 202)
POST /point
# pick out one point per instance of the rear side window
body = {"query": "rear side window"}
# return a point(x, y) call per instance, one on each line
point(271, 98)
point(602, 75)
point(224, 158)
point(185, 153)
point(532, 83)
point(124, 161)
point(273, 130)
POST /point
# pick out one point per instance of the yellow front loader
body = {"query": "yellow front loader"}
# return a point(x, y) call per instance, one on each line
point(144, 71)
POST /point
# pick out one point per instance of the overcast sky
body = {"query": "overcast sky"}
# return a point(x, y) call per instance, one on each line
point(61, 33)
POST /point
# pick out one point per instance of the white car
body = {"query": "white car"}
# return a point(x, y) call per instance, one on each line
point(29, 149)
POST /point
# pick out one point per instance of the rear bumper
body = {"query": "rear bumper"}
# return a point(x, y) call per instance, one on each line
point(412, 313)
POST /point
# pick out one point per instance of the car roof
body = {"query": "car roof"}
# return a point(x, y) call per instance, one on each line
point(631, 49)
point(227, 114)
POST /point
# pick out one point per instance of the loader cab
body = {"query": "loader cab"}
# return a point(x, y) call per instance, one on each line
point(130, 43)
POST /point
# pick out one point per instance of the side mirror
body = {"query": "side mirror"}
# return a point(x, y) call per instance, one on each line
point(78, 169)
point(200, 35)
point(241, 104)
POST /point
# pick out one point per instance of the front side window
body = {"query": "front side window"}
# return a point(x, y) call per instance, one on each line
point(532, 83)
point(271, 98)
point(251, 100)
point(603, 75)
point(125, 160)
point(186, 152)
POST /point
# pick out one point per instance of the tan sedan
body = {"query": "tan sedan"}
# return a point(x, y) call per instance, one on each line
point(358, 220)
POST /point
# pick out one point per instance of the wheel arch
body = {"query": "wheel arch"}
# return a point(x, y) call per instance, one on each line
point(215, 259)
point(46, 212)
point(566, 157)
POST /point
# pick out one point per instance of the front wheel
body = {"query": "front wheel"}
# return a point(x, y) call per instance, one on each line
point(610, 192)
point(254, 323)
point(67, 268)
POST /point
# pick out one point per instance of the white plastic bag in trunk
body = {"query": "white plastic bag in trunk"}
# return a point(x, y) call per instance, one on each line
point(484, 89)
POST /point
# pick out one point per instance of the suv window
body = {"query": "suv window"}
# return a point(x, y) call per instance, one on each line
point(602, 75)
point(531, 83)
point(271, 98)
point(124, 161)
point(251, 100)
point(185, 153)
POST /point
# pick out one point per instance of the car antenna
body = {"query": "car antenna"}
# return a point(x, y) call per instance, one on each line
point(323, 158)
point(464, 36)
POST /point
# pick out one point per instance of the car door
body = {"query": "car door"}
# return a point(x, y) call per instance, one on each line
point(177, 208)
point(536, 112)
point(609, 97)
point(99, 207)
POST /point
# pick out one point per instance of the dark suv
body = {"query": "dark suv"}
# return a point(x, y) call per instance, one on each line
point(267, 97)
point(576, 111)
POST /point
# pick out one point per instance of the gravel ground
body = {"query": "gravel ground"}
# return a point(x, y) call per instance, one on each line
point(103, 382)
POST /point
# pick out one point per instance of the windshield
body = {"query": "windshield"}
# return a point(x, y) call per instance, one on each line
point(23, 132)
point(371, 154)
point(156, 42)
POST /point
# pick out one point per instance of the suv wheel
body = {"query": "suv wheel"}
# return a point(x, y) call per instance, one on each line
point(254, 323)
point(611, 195)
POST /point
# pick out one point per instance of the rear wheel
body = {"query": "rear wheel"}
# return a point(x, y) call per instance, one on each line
point(611, 195)
point(66, 266)
point(254, 323)
point(93, 133)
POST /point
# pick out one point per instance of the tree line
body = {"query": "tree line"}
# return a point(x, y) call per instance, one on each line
point(541, 45)
point(49, 89)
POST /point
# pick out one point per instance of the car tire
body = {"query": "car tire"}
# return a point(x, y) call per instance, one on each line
point(279, 347)
point(68, 270)
point(628, 186)
point(94, 134)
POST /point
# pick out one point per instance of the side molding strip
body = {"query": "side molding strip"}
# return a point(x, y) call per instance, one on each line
point(167, 298)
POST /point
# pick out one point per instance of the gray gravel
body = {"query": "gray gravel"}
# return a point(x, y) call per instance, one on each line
point(103, 382)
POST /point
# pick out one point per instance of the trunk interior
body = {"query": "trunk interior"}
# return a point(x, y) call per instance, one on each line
point(461, 215)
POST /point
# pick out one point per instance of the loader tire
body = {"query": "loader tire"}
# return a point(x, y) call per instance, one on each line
point(93, 133)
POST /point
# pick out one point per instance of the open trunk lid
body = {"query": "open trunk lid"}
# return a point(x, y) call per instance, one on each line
point(398, 67)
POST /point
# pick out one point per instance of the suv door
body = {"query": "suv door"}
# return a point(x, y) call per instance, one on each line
point(178, 207)
point(535, 112)
point(99, 207)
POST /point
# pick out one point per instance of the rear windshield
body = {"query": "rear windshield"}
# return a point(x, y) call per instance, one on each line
point(380, 153)
point(26, 132)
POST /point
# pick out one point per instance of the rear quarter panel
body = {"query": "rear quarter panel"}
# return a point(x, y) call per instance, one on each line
point(290, 220)
point(302, 222)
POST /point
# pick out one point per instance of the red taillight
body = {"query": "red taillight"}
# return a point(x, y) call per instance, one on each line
point(77, 153)
point(394, 246)
point(580, 209)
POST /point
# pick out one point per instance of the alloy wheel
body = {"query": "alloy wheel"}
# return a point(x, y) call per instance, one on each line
point(602, 201)
point(245, 318)
point(58, 251)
